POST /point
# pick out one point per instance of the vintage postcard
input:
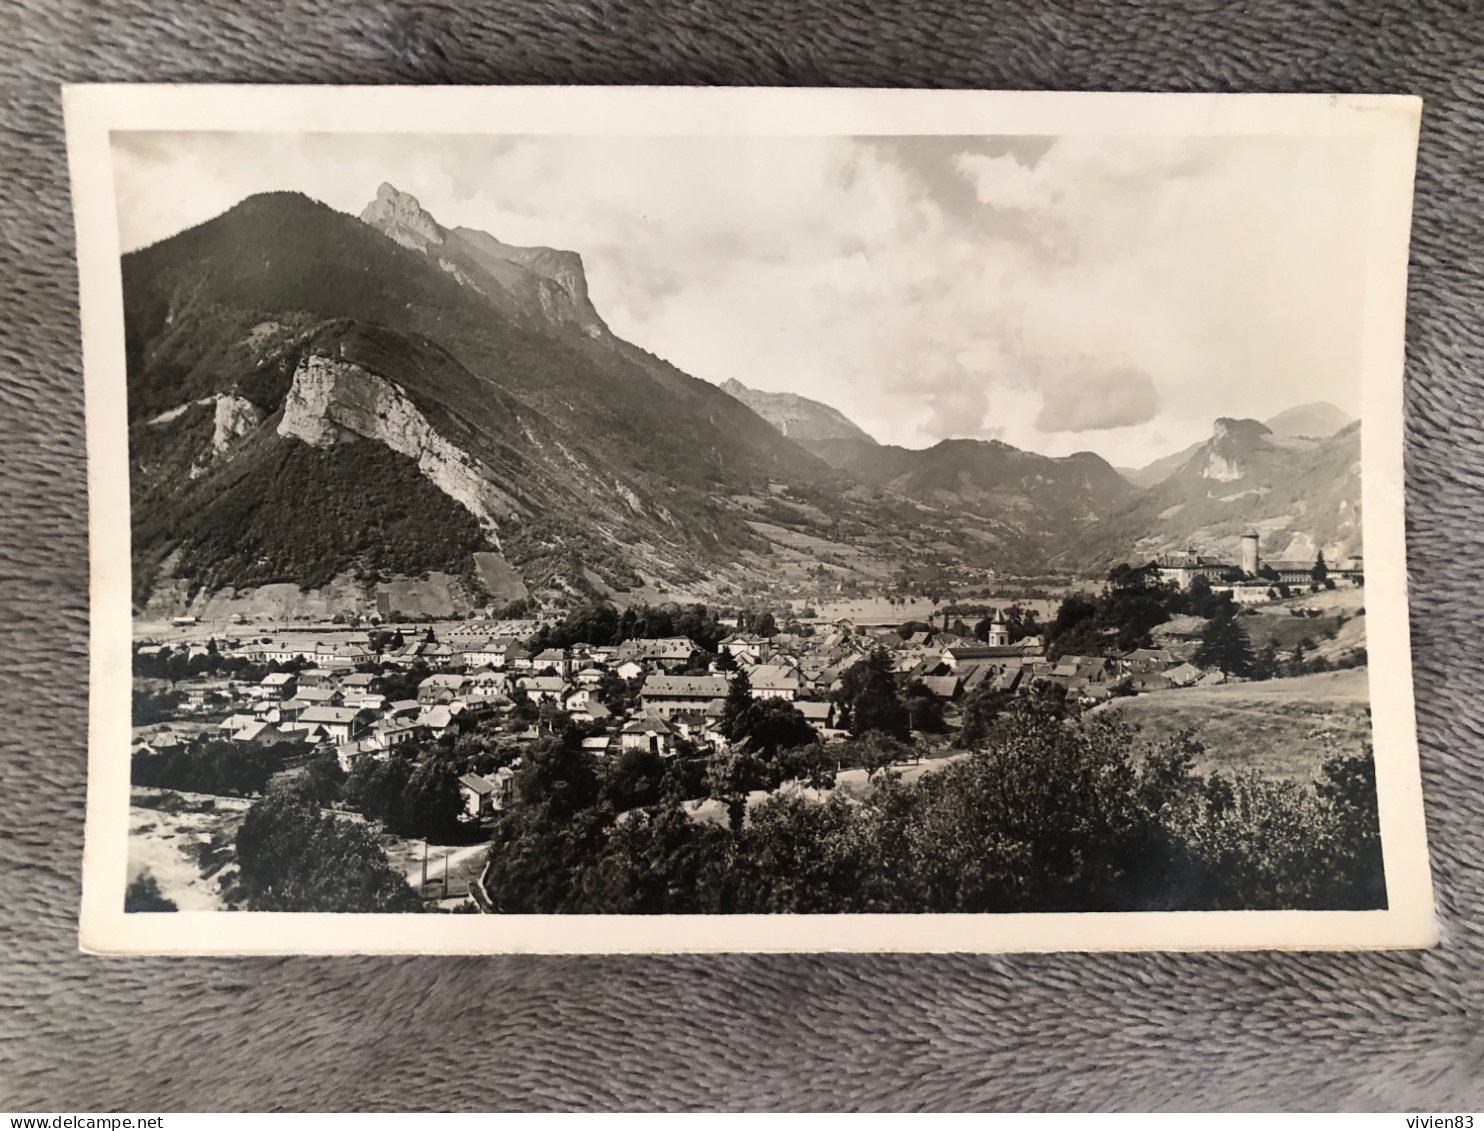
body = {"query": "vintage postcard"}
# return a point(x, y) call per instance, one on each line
point(645, 519)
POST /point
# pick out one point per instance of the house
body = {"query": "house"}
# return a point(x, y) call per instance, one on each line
point(1181, 626)
point(1142, 661)
point(594, 712)
point(436, 720)
point(1185, 566)
point(578, 699)
point(774, 681)
point(275, 685)
point(478, 794)
point(1155, 681)
point(437, 656)
point(1250, 594)
point(351, 754)
point(441, 687)
point(357, 681)
point(543, 688)
point(817, 714)
point(598, 745)
point(258, 733)
point(668, 654)
point(234, 723)
point(745, 646)
point(589, 677)
point(664, 695)
point(1183, 675)
point(630, 669)
point(960, 655)
point(366, 701)
point(558, 660)
point(318, 696)
point(338, 724)
point(672, 654)
point(503, 780)
point(652, 734)
point(941, 686)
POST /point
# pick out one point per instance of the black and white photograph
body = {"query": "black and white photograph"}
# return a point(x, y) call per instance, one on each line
point(747, 522)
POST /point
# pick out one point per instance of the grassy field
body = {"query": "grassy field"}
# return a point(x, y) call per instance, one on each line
point(1279, 727)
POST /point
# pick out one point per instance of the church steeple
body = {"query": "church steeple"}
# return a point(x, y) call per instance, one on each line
point(999, 635)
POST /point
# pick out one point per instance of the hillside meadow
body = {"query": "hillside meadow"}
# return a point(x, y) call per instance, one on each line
point(1285, 728)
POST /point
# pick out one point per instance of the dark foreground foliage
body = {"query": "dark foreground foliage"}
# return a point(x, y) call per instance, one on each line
point(143, 894)
point(226, 768)
point(293, 856)
point(1047, 815)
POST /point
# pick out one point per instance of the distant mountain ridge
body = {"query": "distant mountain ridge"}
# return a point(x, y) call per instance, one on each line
point(1300, 495)
point(1042, 495)
point(1315, 421)
point(798, 418)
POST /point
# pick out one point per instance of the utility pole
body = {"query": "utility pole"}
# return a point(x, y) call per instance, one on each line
point(425, 869)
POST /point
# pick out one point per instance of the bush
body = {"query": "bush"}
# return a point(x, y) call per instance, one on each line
point(143, 894)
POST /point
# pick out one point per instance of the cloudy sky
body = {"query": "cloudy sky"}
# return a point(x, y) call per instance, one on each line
point(1060, 294)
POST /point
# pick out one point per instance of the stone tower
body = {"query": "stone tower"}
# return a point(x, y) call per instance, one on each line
point(1250, 561)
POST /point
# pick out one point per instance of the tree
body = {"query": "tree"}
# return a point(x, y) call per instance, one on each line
point(868, 697)
point(982, 706)
point(1352, 833)
point(323, 777)
point(375, 788)
point(738, 700)
point(812, 765)
point(765, 625)
point(292, 857)
point(635, 780)
point(730, 776)
point(1225, 645)
point(1320, 572)
point(772, 725)
point(431, 804)
point(543, 845)
point(924, 709)
point(613, 692)
point(875, 751)
point(1265, 665)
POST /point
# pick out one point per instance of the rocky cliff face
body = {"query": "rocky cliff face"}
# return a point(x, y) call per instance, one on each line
point(332, 402)
point(1232, 447)
point(235, 417)
point(542, 281)
point(399, 216)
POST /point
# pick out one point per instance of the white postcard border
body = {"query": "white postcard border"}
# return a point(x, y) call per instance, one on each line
point(93, 112)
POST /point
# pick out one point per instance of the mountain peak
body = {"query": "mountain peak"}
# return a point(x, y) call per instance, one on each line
point(1315, 421)
point(399, 216)
point(1228, 428)
point(798, 418)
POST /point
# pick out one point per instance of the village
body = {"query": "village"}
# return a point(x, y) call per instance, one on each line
point(372, 693)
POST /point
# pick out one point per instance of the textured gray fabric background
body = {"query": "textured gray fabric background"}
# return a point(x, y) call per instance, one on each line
point(1056, 1031)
